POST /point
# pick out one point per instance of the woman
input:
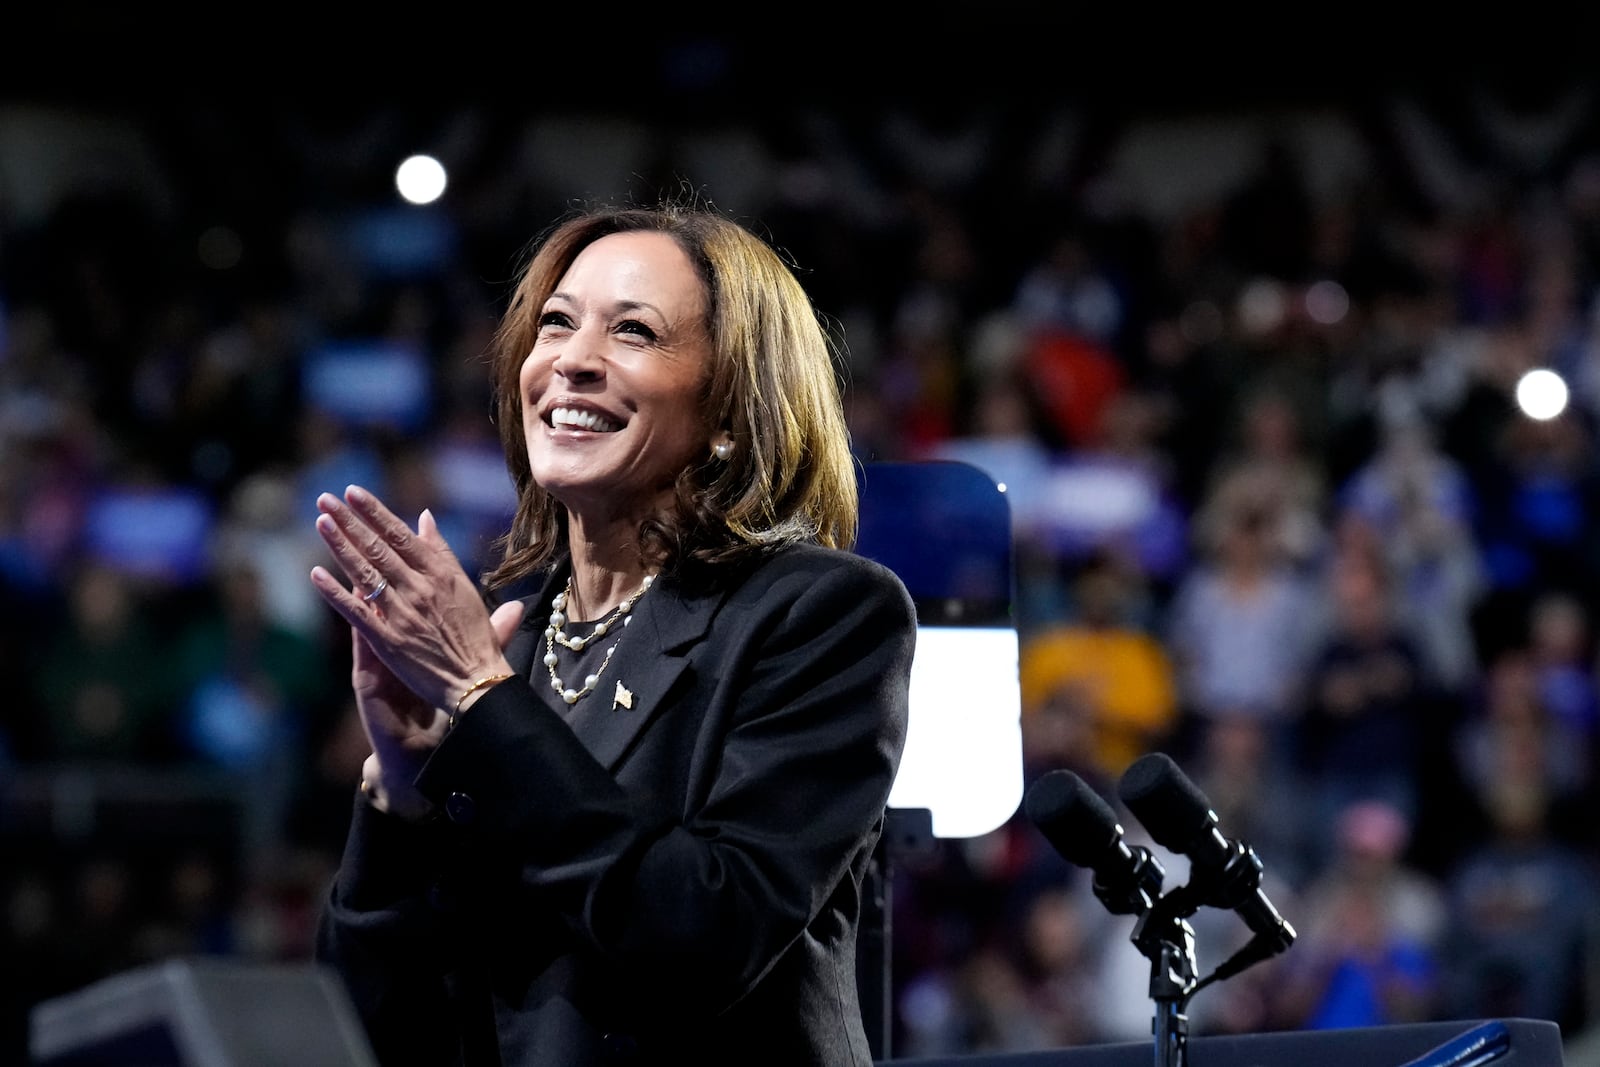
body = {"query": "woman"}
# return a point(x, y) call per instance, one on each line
point(627, 818)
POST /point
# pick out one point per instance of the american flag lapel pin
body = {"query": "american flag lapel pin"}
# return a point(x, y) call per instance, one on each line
point(623, 698)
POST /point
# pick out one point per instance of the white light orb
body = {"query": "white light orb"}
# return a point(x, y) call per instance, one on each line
point(421, 179)
point(1541, 394)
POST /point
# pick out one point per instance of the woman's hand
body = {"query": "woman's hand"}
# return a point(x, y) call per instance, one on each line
point(410, 601)
point(402, 729)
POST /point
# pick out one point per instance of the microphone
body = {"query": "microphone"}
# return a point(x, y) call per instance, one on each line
point(1226, 874)
point(1081, 826)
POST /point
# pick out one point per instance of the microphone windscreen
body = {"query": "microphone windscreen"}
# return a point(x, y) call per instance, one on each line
point(1169, 806)
point(1073, 818)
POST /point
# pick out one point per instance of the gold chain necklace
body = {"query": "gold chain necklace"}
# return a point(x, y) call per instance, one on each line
point(554, 635)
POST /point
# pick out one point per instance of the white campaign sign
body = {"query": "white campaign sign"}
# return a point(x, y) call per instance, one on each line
point(963, 756)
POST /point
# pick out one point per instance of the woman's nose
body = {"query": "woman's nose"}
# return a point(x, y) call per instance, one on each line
point(581, 357)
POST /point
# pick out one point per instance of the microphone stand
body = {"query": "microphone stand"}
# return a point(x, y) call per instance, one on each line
point(907, 832)
point(1164, 937)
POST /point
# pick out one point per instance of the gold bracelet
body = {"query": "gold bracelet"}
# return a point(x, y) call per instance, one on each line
point(473, 688)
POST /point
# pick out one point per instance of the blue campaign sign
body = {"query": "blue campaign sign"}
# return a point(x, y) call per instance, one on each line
point(944, 528)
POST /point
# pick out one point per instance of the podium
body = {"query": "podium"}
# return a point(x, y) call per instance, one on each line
point(203, 1012)
point(1528, 1043)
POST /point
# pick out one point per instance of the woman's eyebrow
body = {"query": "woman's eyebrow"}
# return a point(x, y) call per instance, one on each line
point(620, 305)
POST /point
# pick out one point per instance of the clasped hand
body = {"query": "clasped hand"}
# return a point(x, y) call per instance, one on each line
point(421, 634)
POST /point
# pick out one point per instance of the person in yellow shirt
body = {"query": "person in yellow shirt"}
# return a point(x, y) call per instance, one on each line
point(1097, 691)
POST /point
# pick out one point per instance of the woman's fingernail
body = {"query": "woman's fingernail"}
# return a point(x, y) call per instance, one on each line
point(357, 494)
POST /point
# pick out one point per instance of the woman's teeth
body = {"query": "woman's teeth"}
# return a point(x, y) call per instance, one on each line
point(574, 419)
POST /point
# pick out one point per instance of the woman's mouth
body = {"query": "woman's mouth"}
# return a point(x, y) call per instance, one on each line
point(577, 419)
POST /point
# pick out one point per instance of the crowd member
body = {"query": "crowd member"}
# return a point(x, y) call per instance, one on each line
point(1414, 504)
point(1367, 708)
point(1242, 627)
point(101, 686)
point(631, 812)
point(1523, 908)
point(1101, 668)
point(1273, 460)
point(1369, 954)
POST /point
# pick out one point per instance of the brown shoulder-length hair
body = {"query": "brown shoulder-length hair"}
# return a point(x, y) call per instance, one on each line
point(773, 387)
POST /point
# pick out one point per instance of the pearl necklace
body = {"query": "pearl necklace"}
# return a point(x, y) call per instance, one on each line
point(554, 635)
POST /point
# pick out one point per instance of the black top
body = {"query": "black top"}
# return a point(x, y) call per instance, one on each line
point(679, 881)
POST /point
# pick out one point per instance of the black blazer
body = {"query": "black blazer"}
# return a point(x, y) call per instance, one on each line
point(675, 882)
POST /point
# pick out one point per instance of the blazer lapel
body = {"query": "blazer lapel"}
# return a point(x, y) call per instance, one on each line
point(527, 645)
point(651, 654)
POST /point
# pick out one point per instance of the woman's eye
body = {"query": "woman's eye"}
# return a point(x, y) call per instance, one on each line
point(555, 319)
point(637, 328)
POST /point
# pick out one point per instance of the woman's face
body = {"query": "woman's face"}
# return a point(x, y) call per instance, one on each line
point(611, 391)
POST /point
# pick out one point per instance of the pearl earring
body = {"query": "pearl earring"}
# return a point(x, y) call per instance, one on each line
point(722, 450)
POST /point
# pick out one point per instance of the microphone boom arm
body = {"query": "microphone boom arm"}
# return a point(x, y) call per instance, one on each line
point(1137, 886)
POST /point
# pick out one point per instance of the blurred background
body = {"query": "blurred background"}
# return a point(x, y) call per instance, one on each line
point(1286, 346)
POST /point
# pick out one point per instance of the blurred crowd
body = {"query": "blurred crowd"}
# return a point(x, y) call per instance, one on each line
point(1250, 379)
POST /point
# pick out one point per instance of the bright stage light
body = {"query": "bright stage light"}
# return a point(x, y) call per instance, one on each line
point(1541, 394)
point(421, 179)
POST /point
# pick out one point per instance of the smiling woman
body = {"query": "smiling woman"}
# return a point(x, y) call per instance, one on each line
point(769, 398)
point(629, 816)
point(612, 393)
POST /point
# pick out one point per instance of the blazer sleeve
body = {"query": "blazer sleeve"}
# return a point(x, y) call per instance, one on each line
point(380, 926)
point(813, 663)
